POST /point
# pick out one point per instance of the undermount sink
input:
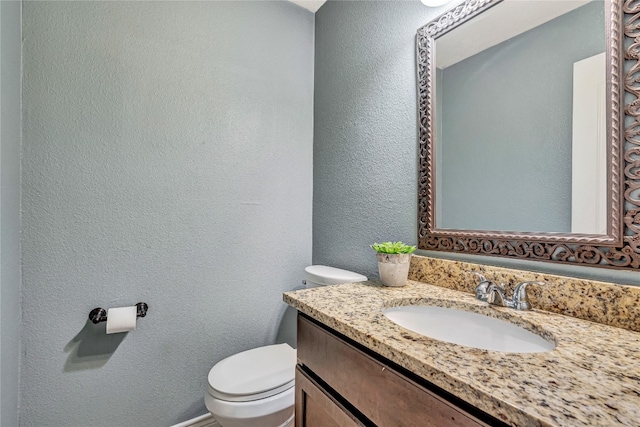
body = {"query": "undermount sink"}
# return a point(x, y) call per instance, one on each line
point(468, 329)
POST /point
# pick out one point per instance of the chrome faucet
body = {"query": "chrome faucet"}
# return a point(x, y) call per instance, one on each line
point(496, 295)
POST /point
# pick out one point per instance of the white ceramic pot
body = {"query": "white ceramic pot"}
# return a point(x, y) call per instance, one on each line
point(393, 268)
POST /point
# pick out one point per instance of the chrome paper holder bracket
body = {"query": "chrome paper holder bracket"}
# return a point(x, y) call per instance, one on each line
point(99, 314)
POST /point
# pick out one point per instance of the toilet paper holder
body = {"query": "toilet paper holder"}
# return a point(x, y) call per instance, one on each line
point(99, 314)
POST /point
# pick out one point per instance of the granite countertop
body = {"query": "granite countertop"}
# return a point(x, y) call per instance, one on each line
point(591, 378)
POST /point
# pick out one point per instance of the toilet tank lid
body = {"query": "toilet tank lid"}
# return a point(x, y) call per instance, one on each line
point(325, 275)
point(253, 372)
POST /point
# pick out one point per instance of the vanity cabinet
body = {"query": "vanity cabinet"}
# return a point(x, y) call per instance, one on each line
point(339, 384)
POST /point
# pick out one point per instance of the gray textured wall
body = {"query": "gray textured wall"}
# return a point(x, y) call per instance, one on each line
point(365, 138)
point(365, 144)
point(10, 280)
point(507, 125)
point(167, 157)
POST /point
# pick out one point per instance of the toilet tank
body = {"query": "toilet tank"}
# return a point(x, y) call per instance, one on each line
point(323, 275)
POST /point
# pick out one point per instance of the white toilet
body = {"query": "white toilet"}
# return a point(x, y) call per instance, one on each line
point(255, 388)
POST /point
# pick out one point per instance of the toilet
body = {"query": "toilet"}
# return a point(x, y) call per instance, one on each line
point(255, 388)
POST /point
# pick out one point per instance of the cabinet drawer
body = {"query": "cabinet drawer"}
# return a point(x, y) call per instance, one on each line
point(380, 393)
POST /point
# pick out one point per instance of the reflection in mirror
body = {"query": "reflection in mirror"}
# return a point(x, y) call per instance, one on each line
point(520, 119)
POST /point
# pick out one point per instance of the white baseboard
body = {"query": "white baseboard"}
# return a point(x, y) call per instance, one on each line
point(205, 420)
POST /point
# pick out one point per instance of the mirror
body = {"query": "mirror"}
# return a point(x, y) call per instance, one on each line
point(505, 105)
point(520, 133)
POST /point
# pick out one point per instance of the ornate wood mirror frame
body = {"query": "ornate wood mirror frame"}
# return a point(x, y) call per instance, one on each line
point(620, 247)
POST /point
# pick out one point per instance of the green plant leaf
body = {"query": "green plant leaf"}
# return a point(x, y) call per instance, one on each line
point(393, 248)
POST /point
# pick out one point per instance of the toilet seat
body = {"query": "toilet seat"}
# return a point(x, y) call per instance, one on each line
point(253, 374)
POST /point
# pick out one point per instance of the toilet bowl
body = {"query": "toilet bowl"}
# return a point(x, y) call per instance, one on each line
point(256, 388)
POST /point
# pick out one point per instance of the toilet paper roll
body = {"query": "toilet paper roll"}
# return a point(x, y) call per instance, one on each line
point(121, 319)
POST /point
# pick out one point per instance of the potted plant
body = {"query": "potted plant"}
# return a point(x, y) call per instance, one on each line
point(393, 262)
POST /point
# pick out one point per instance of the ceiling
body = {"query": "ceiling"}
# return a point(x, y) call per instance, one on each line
point(312, 5)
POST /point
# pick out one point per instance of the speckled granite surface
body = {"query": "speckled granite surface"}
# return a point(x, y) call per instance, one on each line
point(600, 302)
point(592, 378)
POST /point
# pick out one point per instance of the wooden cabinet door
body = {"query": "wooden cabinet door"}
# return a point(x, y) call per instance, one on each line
point(316, 408)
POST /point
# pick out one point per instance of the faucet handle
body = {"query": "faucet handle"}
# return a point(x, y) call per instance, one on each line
point(480, 276)
point(484, 282)
point(482, 287)
point(520, 297)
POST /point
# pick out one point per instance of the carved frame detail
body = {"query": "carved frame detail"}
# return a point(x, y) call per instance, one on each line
point(620, 247)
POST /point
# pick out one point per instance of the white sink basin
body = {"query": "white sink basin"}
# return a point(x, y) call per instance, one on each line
point(468, 329)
